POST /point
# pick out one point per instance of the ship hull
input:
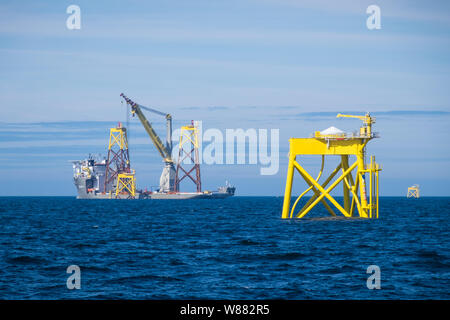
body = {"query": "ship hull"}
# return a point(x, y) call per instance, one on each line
point(188, 195)
point(156, 196)
point(83, 194)
point(89, 187)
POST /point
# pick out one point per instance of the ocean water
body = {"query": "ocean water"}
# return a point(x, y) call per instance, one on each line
point(237, 248)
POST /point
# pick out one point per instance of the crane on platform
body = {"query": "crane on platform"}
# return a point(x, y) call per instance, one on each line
point(366, 130)
point(333, 142)
point(167, 180)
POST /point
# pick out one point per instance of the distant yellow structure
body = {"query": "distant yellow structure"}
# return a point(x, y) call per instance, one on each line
point(118, 160)
point(332, 141)
point(413, 192)
point(126, 184)
point(118, 174)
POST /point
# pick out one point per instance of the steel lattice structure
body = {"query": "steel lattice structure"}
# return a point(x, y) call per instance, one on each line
point(364, 204)
point(188, 148)
point(118, 157)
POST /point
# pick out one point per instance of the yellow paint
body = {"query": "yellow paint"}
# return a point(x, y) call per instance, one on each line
point(366, 129)
point(413, 192)
point(288, 188)
point(189, 134)
point(118, 136)
point(126, 184)
point(344, 145)
point(163, 151)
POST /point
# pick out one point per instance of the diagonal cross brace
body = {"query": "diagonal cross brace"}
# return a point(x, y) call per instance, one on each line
point(325, 193)
point(327, 181)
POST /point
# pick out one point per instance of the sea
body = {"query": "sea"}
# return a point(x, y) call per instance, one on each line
point(235, 248)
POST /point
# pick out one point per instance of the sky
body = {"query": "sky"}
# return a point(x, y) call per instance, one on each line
point(289, 65)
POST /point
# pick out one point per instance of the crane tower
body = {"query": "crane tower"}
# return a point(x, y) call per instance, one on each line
point(167, 179)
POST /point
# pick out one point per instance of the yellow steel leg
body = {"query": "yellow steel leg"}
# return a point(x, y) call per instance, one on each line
point(352, 206)
point(288, 190)
point(362, 184)
point(349, 188)
point(307, 190)
point(370, 189)
point(355, 198)
point(376, 176)
point(346, 191)
point(350, 185)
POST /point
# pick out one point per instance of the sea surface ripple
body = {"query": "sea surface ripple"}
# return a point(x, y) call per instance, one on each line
point(236, 248)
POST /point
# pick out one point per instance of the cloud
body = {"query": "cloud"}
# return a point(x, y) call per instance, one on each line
point(376, 113)
point(401, 9)
point(115, 26)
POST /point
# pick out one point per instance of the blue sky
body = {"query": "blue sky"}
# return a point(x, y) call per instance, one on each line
point(285, 64)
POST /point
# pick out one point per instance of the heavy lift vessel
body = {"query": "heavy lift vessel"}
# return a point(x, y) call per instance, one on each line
point(114, 178)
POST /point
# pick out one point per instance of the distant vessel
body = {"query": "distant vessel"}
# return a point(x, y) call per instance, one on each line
point(222, 192)
point(113, 177)
point(89, 179)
